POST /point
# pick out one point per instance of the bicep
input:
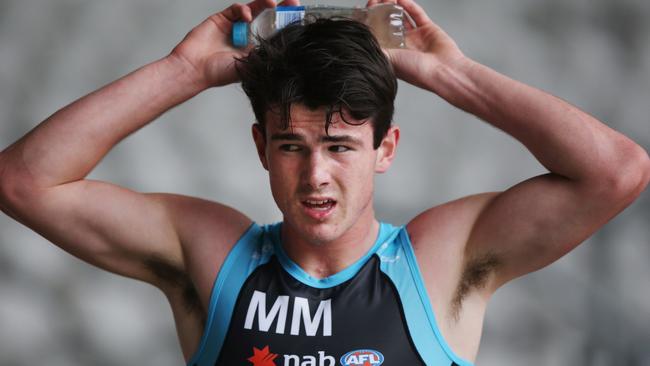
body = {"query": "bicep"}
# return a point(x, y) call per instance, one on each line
point(535, 222)
point(108, 226)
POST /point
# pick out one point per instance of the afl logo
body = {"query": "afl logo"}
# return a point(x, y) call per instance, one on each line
point(362, 357)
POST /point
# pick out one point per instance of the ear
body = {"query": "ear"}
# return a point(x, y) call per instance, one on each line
point(387, 150)
point(259, 136)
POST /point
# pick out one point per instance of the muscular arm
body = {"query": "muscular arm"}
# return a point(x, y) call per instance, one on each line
point(594, 171)
point(42, 175)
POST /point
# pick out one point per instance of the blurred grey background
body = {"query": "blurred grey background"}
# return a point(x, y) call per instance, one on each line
point(590, 308)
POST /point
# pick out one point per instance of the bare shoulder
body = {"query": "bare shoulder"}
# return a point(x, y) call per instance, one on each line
point(207, 230)
point(448, 218)
point(174, 242)
point(439, 237)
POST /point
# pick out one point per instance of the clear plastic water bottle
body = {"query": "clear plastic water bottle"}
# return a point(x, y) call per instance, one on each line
point(386, 22)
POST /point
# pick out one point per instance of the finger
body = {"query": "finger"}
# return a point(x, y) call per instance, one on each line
point(371, 3)
point(237, 12)
point(416, 12)
point(290, 3)
point(258, 6)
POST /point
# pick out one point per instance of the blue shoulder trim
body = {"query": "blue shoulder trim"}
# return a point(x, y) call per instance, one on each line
point(231, 276)
point(424, 298)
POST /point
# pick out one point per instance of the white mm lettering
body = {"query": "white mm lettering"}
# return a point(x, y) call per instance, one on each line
point(279, 309)
point(258, 305)
point(301, 312)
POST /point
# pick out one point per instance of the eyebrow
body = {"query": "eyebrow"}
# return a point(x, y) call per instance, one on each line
point(327, 138)
point(287, 136)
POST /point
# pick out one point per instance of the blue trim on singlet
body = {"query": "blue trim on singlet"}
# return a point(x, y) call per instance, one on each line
point(226, 287)
point(326, 282)
point(398, 262)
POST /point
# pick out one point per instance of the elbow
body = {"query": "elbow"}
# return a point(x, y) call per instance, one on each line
point(645, 169)
point(626, 180)
point(14, 189)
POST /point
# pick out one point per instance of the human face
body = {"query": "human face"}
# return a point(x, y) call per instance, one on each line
point(322, 182)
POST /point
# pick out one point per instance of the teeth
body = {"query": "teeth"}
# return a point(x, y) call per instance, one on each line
point(318, 202)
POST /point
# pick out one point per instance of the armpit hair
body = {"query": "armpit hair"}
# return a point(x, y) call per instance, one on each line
point(475, 275)
point(174, 277)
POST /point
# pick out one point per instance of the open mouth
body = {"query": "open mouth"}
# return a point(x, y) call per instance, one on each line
point(318, 209)
point(322, 205)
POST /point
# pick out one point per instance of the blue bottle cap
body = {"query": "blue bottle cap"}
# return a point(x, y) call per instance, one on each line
point(240, 34)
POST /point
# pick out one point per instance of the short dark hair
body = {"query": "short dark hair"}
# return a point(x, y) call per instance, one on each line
point(334, 63)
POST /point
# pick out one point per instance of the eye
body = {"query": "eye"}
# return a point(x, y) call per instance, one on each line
point(289, 147)
point(339, 148)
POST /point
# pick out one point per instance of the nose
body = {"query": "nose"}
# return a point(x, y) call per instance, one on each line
point(315, 172)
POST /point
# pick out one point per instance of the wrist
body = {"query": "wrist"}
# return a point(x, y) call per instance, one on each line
point(451, 78)
point(186, 74)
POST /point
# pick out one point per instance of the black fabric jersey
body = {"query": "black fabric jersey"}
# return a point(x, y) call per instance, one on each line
point(266, 311)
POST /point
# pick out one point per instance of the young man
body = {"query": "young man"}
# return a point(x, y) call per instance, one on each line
point(330, 284)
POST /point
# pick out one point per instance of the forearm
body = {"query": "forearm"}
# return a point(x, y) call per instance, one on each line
point(70, 143)
point(564, 139)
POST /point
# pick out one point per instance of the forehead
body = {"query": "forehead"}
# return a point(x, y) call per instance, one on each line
point(305, 120)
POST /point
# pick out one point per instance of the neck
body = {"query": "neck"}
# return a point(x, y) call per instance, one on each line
point(325, 259)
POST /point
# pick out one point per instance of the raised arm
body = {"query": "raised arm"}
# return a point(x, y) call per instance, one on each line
point(594, 171)
point(42, 175)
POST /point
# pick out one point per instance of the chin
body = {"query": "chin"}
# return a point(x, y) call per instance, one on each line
point(317, 233)
point(321, 237)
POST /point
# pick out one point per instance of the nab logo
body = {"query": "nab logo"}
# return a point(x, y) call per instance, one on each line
point(300, 318)
point(362, 357)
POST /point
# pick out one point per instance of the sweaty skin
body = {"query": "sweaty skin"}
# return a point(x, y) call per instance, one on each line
point(322, 186)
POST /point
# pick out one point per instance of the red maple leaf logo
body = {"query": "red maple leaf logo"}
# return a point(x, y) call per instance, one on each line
point(262, 357)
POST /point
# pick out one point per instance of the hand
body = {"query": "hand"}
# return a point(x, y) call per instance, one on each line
point(427, 46)
point(207, 50)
